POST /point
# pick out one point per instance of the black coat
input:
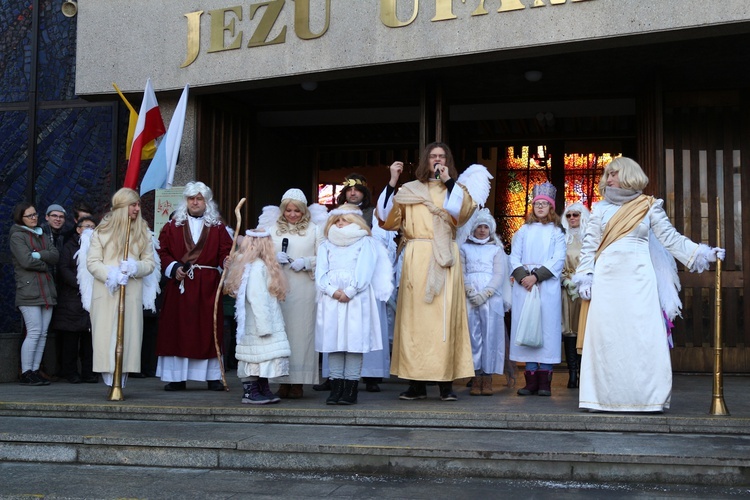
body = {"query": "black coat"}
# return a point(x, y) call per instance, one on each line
point(69, 314)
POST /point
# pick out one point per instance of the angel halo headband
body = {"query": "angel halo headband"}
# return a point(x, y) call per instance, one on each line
point(354, 182)
point(257, 233)
point(344, 211)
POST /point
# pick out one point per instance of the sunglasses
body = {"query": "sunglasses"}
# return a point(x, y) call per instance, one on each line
point(572, 214)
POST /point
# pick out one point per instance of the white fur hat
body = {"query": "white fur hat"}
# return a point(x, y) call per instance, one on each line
point(294, 194)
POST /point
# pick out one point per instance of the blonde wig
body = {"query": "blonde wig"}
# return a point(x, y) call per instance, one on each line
point(284, 226)
point(257, 244)
point(350, 213)
point(116, 221)
point(630, 174)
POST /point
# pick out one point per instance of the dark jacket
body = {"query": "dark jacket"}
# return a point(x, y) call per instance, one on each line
point(69, 314)
point(34, 283)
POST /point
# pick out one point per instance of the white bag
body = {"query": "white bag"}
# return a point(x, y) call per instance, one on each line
point(529, 332)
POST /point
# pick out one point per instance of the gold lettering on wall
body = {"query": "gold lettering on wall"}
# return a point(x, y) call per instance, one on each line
point(193, 36)
point(218, 28)
point(270, 15)
point(388, 14)
point(302, 20)
point(443, 10)
point(509, 5)
point(480, 9)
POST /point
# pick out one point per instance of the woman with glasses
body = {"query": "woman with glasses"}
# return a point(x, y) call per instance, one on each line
point(33, 256)
point(70, 320)
point(536, 258)
point(575, 218)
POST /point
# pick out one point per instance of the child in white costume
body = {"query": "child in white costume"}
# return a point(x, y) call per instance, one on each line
point(537, 257)
point(487, 281)
point(349, 288)
point(262, 346)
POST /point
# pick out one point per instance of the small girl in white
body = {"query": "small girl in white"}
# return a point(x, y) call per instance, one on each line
point(258, 282)
point(348, 322)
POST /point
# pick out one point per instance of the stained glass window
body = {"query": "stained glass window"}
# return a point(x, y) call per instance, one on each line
point(327, 194)
point(521, 167)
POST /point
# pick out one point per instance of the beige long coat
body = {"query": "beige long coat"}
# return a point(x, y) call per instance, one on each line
point(105, 306)
point(430, 340)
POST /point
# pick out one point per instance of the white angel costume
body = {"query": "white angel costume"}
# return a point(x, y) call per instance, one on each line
point(262, 346)
point(486, 272)
point(299, 306)
point(626, 363)
point(351, 261)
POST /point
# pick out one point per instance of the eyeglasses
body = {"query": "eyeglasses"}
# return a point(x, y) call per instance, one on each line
point(434, 157)
point(571, 214)
point(541, 204)
point(31, 216)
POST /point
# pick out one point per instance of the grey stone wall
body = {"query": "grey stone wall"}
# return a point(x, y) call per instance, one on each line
point(129, 41)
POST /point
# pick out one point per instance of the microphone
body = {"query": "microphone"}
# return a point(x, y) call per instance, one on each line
point(437, 171)
point(284, 244)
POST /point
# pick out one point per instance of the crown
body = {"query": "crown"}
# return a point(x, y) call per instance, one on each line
point(546, 192)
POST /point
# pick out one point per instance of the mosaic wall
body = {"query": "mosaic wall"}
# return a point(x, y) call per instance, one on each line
point(73, 138)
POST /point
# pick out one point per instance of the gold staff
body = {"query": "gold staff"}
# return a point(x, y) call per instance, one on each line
point(717, 402)
point(218, 292)
point(115, 393)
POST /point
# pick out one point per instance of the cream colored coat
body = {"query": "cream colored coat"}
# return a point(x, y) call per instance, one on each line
point(105, 306)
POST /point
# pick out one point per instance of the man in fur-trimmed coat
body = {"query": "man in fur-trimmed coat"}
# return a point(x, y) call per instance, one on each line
point(193, 247)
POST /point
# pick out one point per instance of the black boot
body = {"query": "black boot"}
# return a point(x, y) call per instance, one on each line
point(571, 358)
point(351, 389)
point(417, 390)
point(337, 390)
point(323, 386)
point(446, 391)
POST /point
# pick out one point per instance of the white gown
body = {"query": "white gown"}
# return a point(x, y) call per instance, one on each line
point(536, 245)
point(299, 306)
point(626, 364)
point(486, 266)
point(354, 326)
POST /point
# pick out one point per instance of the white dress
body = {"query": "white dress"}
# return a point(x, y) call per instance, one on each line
point(486, 267)
point(262, 346)
point(354, 326)
point(626, 364)
point(299, 307)
point(535, 245)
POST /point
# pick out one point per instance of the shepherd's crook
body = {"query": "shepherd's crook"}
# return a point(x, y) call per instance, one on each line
point(218, 291)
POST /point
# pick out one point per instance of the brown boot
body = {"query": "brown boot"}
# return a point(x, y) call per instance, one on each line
point(532, 384)
point(476, 386)
point(283, 392)
point(487, 385)
point(296, 391)
point(545, 382)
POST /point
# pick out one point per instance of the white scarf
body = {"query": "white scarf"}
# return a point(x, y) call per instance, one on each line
point(345, 236)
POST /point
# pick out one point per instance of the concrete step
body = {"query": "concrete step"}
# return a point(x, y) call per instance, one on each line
point(503, 436)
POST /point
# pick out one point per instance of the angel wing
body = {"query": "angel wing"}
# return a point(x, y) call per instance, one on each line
point(84, 277)
point(151, 282)
point(269, 216)
point(476, 180)
point(318, 214)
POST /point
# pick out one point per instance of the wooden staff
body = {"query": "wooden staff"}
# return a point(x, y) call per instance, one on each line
point(115, 393)
point(218, 292)
point(717, 401)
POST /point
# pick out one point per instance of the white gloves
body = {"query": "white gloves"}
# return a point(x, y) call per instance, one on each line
point(282, 258)
point(705, 255)
point(128, 267)
point(716, 253)
point(298, 264)
point(477, 299)
point(122, 279)
point(584, 282)
point(36, 255)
